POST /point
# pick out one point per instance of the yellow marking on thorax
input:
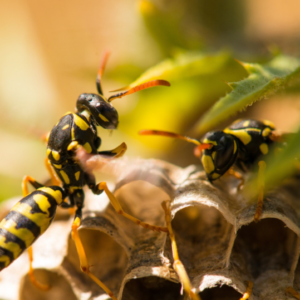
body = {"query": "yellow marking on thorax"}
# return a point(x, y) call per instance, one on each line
point(208, 164)
point(57, 166)
point(253, 129)
point(72, 189)
point(5, 259)
point(264, 148)
point(22, 233)
point(57, 195)
point(80, 123)
point(77, 175)
point(48, 152)
point(66, 126)
point(65, 176)
point(12, 247)
point(87, 147)
point(246, 123)
point(207, 141)
point(241, 134)
point(266, 132)
point(269, 123)
point(103, 118)
point(40, 219)
point(73, 133)
point(55, 155)
point(72, 145)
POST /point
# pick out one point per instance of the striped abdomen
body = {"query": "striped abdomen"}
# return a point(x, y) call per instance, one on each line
point(26, 221)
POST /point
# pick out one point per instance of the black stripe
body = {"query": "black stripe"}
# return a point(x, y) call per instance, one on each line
point(23, 222)
point(8, 253)
point(31, 202)
point(35, 207)
point(10, 237)
point(52, 202)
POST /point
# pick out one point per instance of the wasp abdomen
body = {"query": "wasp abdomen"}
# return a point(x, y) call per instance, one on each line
point(26, 221)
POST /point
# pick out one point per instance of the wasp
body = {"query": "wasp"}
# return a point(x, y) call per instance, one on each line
point(242, 144)
point(30, 218)
point(79, 130)
point(26, 221)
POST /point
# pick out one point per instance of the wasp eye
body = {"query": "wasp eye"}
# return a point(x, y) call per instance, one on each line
point(224, 141)
point(225, 154)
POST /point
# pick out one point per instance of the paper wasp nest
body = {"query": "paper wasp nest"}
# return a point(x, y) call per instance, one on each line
point(219, 244)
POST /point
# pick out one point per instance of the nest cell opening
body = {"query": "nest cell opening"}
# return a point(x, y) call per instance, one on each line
point(143, 200)
point(107, 258)
point(60, 288)
point(202, 235)
point(223, 292)
point(267, 245)
point(152, 288)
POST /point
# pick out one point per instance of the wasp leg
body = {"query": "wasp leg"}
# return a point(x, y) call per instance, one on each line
point(70, 206)
point(248, 292)
point(39, 285)
point(32, 181)
point(261, 187)
point(117, 152)
point(54, 179)
point(84, 265)
point(291, 291)
point(238, 176)
point(177, 265)
point(99, 188)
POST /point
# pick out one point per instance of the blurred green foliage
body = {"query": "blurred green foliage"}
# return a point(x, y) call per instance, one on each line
point(196, 83)
point(263, 81)
point(196, 75)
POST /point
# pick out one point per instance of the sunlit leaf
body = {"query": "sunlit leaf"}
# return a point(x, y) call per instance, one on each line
point(263, 80)
point(196, 83)
point(186, 65)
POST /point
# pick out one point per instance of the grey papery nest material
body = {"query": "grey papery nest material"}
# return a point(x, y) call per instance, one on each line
point(218, 242)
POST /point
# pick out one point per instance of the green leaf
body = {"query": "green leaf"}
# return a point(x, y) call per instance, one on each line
point(279, 165)
point(196, 82)
point(186, 65)
point(263, 80)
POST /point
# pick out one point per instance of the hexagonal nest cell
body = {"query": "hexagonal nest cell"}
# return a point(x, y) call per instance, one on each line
point(220, 246)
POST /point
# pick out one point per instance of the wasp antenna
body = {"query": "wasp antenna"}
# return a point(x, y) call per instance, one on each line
point(120, 89)
point(101, 70)
point(169, 134)
point(140, 87)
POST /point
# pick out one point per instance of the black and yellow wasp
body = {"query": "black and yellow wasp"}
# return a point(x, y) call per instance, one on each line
point(242, 144)
point(26, 221)
point(34, 213)
point(78, 129)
